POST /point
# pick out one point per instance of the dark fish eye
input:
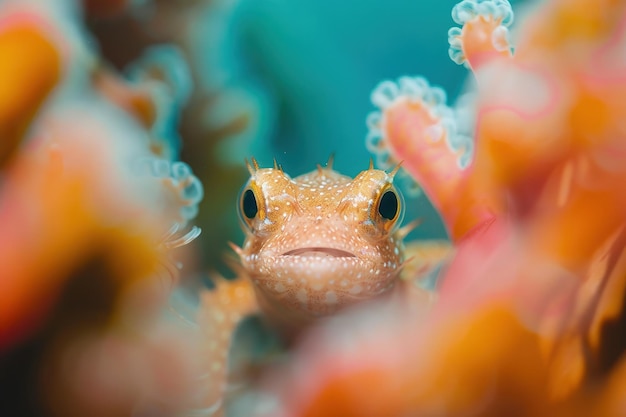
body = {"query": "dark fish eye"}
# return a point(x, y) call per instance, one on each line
point(249, 204)
point(388, 205)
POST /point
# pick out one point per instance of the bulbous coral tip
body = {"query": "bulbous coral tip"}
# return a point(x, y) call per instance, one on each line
point(164, 73)
point(439, 122)
point(373, 120)
point(500, 39)
point(456, 45)
point(170, 64)
point(374, 141)
point(484, 29)
point(468, 10)
point(384, 94)
point(411, 88)
point(180, 180)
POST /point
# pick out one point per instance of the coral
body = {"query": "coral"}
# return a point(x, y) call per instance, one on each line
point(164, 71)
point(528, 313)
point(184, 189)
point(26, 39)
point(100, 98)
point(86, 235)
point(415, 126)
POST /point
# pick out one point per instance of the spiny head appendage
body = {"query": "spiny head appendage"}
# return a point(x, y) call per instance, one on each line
point(329, 164)
point(238, 250)
point(497, 14)
point(432, 99)
point(252, 166)
point(331, 161)
point(403, 231)
point(394, 171)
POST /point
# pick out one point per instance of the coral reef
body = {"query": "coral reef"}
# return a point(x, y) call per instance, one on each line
point(530, 310)
point(101, 101)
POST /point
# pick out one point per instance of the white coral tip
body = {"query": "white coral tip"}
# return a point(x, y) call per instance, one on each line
point(384, 94)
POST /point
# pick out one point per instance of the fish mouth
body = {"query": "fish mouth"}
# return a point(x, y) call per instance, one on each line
point(318, 251)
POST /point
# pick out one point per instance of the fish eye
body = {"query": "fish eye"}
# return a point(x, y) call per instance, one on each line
point(249, 206)
point(388, 205)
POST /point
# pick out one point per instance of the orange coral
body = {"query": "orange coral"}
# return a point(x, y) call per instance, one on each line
point(31, 68)
point(84, 242)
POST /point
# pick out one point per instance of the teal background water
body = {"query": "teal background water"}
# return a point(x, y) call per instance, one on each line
point(306, 69)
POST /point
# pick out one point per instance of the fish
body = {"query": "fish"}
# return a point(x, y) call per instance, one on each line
point(315, 245)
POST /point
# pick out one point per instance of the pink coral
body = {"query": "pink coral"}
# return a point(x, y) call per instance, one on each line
point(530, 308)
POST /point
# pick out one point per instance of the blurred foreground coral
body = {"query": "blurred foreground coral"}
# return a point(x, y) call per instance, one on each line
point(526, 171)
point(91, 205)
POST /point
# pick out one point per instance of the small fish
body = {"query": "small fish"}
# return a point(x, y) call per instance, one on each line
point(315, 245)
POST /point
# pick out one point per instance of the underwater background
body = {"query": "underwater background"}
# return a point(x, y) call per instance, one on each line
point(302, 73)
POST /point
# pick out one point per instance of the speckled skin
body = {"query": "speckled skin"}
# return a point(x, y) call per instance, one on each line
point(314, 244)
point(318, 242)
